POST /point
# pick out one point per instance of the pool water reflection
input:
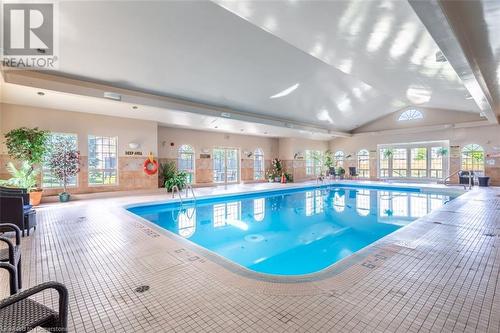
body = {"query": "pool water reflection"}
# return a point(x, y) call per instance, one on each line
point(295, 232)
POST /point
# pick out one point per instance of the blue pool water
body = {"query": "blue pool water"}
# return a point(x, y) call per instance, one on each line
point(293, 232)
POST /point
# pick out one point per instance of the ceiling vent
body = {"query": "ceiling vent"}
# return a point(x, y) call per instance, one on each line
point(113, 96)
point(225, 115)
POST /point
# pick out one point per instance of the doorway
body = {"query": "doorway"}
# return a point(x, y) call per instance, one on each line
point(226, 165)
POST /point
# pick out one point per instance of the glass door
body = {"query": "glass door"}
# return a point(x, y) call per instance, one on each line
point(226, 165)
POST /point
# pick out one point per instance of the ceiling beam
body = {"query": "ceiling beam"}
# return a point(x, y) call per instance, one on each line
point(84, 88)
point(439, 19)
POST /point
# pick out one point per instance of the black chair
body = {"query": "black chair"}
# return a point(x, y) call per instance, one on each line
point(331, 172)
point(13, 192)
point(12, 253)
point(13, 210)
point(19, 313)
point(353, 172)
point(12, 276)
point(463, 177)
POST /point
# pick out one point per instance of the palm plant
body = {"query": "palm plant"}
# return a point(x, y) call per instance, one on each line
point(23, 177)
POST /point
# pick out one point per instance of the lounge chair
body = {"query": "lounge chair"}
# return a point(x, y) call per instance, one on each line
point(463, 177)
point(13, 210)
point(12, 253)
point(353, 172)
point(19, 313)
point(12, 276)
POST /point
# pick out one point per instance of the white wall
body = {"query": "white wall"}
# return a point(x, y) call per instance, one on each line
point(200, 140)
point(84, 124)
point(289, 146)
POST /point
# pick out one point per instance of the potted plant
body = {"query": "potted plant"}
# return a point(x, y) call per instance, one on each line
point(28, 145)
point(442, 151)
point(23, 177)
point(277, 169)
point(64, 162)
point(341, 172)
point(173, 177)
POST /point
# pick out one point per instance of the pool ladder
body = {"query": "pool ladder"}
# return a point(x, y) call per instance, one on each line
point(175, 188)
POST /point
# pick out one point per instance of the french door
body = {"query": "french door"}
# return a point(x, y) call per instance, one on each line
point(226, 165)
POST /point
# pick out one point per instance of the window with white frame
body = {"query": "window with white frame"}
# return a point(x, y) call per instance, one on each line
point(187, 222)
point(102, 160)
point(419, 160)
point(259, 209)
point(258, 164)
point(363, 202)
point(49, 180)
point(339, 201)
point(437, 162)
point(418, 163)
point(339, 158)
point(364, 163)
point(185, 161)
point(314, 162)
point(473, 158)
point(399, 162)
point(411, 114)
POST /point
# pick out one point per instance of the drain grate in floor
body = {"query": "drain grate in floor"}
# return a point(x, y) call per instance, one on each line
point(141, 289)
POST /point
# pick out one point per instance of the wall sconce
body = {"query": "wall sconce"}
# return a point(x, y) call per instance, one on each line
point(133, 145)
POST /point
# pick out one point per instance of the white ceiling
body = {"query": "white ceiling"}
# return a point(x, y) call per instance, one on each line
point(354, 61)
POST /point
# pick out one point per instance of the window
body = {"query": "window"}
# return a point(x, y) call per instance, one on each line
point(187, 222)
point(185, 161)
point(384, 157)
point(399, 157)
point(258, 164)
point(339, 158)
point(339, 201)
point(437, 154)
point(102, 160)
point(364, 163)
point(48, 178)
point(259, 209)
point(226, 213)
point(314, 162)
point(473, 158)
point(314, 202)
point(410, 114)
point(418, 163)
point(363, 202)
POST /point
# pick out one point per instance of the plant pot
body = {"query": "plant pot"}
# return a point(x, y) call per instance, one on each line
point(35, 197)
point(64, 197)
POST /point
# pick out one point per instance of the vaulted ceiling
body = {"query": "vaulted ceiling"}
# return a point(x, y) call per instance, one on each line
point(334, 65)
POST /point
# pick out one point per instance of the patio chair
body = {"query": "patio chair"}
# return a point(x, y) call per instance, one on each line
point(12, 253)
point(12, 276)
point(13, 210)
point(463, 177)
point(332, 173)
point(19, 313)
point(353, 172)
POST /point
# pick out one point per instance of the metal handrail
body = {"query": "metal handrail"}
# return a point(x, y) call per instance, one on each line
point(190, 187)
point(449, 177)
point(175, 187)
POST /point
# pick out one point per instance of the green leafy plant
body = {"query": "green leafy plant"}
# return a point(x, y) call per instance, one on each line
point(173, 177)
point(22, 177)
point(27, 144)
point(179, 180)
point(328, 161)
point(340, 171)
point(442, 151)
point(388, 153)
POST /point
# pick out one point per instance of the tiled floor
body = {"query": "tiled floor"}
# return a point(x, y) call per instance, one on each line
point(441, 273)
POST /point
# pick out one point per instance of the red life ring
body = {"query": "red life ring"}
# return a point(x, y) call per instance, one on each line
point(150, 166)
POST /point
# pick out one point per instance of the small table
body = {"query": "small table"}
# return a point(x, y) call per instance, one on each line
point(483, 181)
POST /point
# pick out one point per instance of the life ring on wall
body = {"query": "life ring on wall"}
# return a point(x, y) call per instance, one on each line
point(150, 165)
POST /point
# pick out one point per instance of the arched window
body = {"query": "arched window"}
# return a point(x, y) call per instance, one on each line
point(339, 202)
point(410, 114)
point(364, 163)
point(473, 158)
point(339, 158)
point(187, 222)
point(258, 164)
point(186, 161)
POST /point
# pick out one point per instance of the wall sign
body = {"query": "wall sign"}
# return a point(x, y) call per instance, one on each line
point(133, 153)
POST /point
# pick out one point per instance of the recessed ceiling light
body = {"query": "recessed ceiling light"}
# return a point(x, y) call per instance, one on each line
point(40, 93)
point(241, 130)
point(285, 92)
point(216, 127)
point(135, 107)
point(265, 132)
